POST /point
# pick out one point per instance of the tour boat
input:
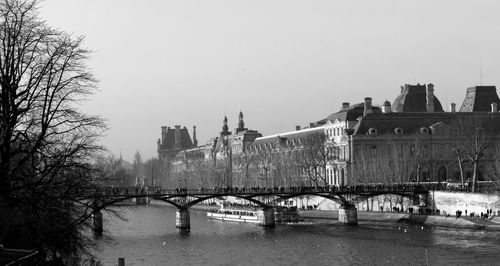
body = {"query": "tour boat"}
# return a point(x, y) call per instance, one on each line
point(252, 215)
point(234, 215)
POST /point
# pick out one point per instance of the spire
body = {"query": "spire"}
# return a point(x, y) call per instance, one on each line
point(225, 128)
point(241, 123)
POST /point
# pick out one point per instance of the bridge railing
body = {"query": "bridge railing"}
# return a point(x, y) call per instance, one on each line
point(110, 191)
point(360, 188)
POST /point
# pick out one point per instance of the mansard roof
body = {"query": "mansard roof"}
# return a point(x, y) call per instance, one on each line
point(479, 99)
point(411, 123)
point(351, 113)
point(299, 134)
point(413, 98)
point(168, 139)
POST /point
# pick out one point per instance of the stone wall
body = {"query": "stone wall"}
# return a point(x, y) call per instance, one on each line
point(450, 202)
point(445, 202)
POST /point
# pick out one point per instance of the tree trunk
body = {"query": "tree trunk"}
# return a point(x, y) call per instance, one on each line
point(474, 178)
point(462, 177)
point(418, 173)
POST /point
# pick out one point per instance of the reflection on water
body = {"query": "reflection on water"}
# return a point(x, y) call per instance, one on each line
point(149, 237)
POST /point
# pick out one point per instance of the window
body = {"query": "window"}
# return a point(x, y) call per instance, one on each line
point(373, 149)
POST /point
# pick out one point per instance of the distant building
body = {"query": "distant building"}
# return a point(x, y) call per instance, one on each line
point(412, 139)
point(186, 164)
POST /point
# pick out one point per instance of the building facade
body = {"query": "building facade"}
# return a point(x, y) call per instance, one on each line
point(411, 140)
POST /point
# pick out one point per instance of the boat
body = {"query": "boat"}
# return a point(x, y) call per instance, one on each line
point(251, 215)
point(234, 215)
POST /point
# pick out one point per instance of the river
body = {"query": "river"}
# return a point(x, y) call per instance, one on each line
point(148, 236)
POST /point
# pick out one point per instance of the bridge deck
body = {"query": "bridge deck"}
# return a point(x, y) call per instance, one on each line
point(280, 191)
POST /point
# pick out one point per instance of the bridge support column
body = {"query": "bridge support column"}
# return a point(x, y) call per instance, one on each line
point(266, 217)
point(182, 220)
point(141, 201)
point(97, 222)
point(348, 215)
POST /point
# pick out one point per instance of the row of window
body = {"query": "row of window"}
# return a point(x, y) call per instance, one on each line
point(439, 150)
point(333, 132)
point(335, 176)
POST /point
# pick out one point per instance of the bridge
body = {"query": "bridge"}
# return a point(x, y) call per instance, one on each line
point(265, 199)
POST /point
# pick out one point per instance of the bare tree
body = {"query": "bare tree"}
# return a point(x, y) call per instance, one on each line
point(47, 146)
point(264, 167)
point(242, 164)
point(460, 157)
point(420, 153)
point(385, 164)
point(476, 137)
point(315, 159)
point(494, 167)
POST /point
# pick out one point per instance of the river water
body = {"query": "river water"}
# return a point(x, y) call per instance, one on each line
point(149, 237)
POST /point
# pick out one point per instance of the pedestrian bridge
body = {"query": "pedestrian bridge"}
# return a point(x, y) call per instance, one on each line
point(264, 198)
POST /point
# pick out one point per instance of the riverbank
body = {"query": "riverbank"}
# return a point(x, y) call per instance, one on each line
point(406, 218)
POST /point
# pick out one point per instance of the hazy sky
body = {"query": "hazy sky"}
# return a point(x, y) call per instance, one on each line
point(284, 63)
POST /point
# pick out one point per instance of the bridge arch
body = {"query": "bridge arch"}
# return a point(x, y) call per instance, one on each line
point(337, 200)
point(251, 199)
point(101, 204)
point(358, 198)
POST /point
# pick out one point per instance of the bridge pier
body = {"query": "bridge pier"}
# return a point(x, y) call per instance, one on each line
point(182, 220)
point(266, 217)
point(348, 215)
point(97, 222)
point(141, 201)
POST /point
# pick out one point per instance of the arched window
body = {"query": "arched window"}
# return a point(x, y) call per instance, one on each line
point(426, 175)
point(372, 132)
point(342, 177)
point(442, 177)
point(456, 176)
point(335, 176)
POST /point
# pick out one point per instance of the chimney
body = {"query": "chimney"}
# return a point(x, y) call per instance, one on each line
point(430, 98)
point(297, 128)
point(368, 106)
point(195, 141)
point(345, 105)
point(163, 133)
point(494, 107)
point(177, 135)
point(452, 107)
point(386, 107)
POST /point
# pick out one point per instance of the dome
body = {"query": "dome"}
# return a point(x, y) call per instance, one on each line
point(413, 98)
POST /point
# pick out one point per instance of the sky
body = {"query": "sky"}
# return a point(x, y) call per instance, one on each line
point(282, 63)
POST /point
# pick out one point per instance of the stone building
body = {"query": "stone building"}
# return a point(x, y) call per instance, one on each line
point(412, 139)
point(190, 165)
